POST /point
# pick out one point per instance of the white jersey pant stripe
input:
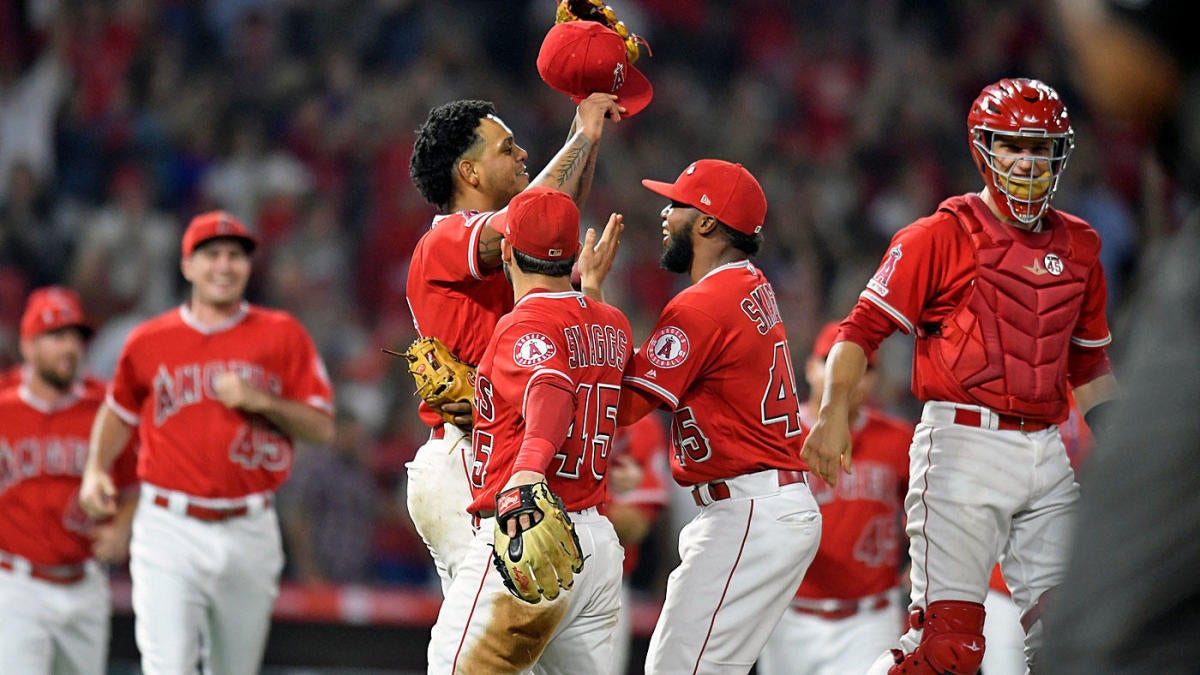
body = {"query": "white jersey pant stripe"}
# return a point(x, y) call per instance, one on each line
point(57, 629)
point(742, 560)
point(203, 592)
point(978, 496)
point(480, 621)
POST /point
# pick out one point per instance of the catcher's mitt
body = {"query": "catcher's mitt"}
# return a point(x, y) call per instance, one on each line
point(543, 557)
point(596, 10)
point(441, 378)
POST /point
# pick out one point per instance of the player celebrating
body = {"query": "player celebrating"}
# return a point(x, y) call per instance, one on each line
point(217, 389)
point(55, 598)
point(1006, 297)
point(719, 359)
point(466, 163)
point(546, 400)
point(848, 608)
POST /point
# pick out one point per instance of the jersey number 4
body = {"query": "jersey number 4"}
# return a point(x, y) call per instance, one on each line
point(780, 405)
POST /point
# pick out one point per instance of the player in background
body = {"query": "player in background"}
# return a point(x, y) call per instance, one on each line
point(55, 595)
point(467, 163)
point(850, 606)
point(637, 494)
point(718, 359)
point(1006, 298)
point(546, 398)
point(1002, 628)
point(218, 390)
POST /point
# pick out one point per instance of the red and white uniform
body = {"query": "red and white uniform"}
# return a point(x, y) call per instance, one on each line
point(848, 608)
point(647, 442)
point(206, 548)
point(1005, 654)
point(718, 358)
point(1006, 320)
point(55, 597)
point(452, 299)
point(586, 345)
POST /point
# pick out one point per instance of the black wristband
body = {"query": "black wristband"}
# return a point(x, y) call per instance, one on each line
point(1097, 418)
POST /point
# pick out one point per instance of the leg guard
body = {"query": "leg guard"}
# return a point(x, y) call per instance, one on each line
point(951, 640)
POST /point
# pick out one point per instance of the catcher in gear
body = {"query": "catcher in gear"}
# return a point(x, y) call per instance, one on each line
point(546, 398)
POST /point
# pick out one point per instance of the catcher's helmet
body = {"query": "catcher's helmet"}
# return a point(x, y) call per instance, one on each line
point(1028, 109)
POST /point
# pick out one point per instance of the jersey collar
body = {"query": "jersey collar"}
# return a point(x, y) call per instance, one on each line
point(185, 313)
point(738, 264)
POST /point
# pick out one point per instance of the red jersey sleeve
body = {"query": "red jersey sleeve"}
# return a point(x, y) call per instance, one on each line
point(307, 380)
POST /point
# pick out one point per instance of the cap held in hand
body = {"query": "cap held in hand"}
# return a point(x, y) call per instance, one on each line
point(720, 189)
point(543, 223)
point(580, 58)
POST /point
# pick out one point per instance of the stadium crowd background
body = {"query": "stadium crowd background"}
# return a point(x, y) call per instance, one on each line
point(120, 119)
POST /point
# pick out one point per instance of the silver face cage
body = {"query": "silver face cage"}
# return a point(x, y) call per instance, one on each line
point(1038, 190)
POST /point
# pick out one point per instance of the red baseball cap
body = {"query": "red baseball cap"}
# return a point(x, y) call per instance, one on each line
point(720, 189)
point(825, 340)
point(579, 58)
point(216, 225)
point(543, 223)
point(51, 308)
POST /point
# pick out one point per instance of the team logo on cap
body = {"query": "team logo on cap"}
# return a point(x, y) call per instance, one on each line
point(669, 347)
point(691, 169)
point(532, 349)
point(618, 78)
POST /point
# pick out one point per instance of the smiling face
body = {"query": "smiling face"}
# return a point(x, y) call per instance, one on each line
point(678, 252)
point(218, 270)
point(497, 165)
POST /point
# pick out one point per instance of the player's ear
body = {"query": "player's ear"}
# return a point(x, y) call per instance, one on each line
point(467, 172)
point(506, 251)
point(706, 225)
point(185, 267)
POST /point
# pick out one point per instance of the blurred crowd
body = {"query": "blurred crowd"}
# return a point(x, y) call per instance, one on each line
point(121, 119)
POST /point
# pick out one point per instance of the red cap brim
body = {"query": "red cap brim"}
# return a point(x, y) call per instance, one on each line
point(634, 95)
point(667, 190)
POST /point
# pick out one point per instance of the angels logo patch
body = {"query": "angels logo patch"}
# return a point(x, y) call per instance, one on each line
point(532, 349)
point(879, 282)
point(669, 347)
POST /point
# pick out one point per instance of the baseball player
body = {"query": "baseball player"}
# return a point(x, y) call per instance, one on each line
point(1006, 298)
point(54, 594)
point(718, 358)
point(637, 495)
point(546, 398)
point(217, 390)
point(466, 162)
point(849, 607)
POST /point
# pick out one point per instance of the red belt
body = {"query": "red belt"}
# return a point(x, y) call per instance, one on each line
point(207, 513)
point(836, 610)
point(55, 574)
point(974, 418)
point(718, 490)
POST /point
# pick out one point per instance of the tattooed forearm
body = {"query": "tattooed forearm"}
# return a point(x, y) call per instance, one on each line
point(571, 162)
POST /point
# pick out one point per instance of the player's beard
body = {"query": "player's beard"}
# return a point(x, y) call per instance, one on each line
point(60, 379)
point(679, 254)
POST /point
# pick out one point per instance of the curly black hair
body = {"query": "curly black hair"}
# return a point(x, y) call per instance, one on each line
point(447, 133)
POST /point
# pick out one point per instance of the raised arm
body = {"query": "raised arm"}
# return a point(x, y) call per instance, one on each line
point(572, 168)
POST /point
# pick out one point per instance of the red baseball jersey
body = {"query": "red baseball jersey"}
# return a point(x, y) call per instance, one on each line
point(719, 359)
point(449, 296)
point(563, 335)
point(646, 441)
point(43, 449)
point(928, 270)
point(191, 442)
point(862, 519)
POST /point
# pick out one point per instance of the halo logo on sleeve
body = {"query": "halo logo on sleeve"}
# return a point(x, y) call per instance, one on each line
point(532, 349)
point(879, 282)
point(669, 347)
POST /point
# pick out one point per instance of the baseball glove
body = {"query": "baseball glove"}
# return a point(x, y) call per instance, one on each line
point(544, 556)
point(441, 378)
point(596, 10)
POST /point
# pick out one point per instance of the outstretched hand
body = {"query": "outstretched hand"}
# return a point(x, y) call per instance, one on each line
point(597, 255)
point(827, 449)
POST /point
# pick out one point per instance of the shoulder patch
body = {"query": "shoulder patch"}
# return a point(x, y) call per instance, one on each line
point(879, 282)
point(533, 348)
point(669, 347)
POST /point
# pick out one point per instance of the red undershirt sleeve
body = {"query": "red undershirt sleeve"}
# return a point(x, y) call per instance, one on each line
point(549, 410)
